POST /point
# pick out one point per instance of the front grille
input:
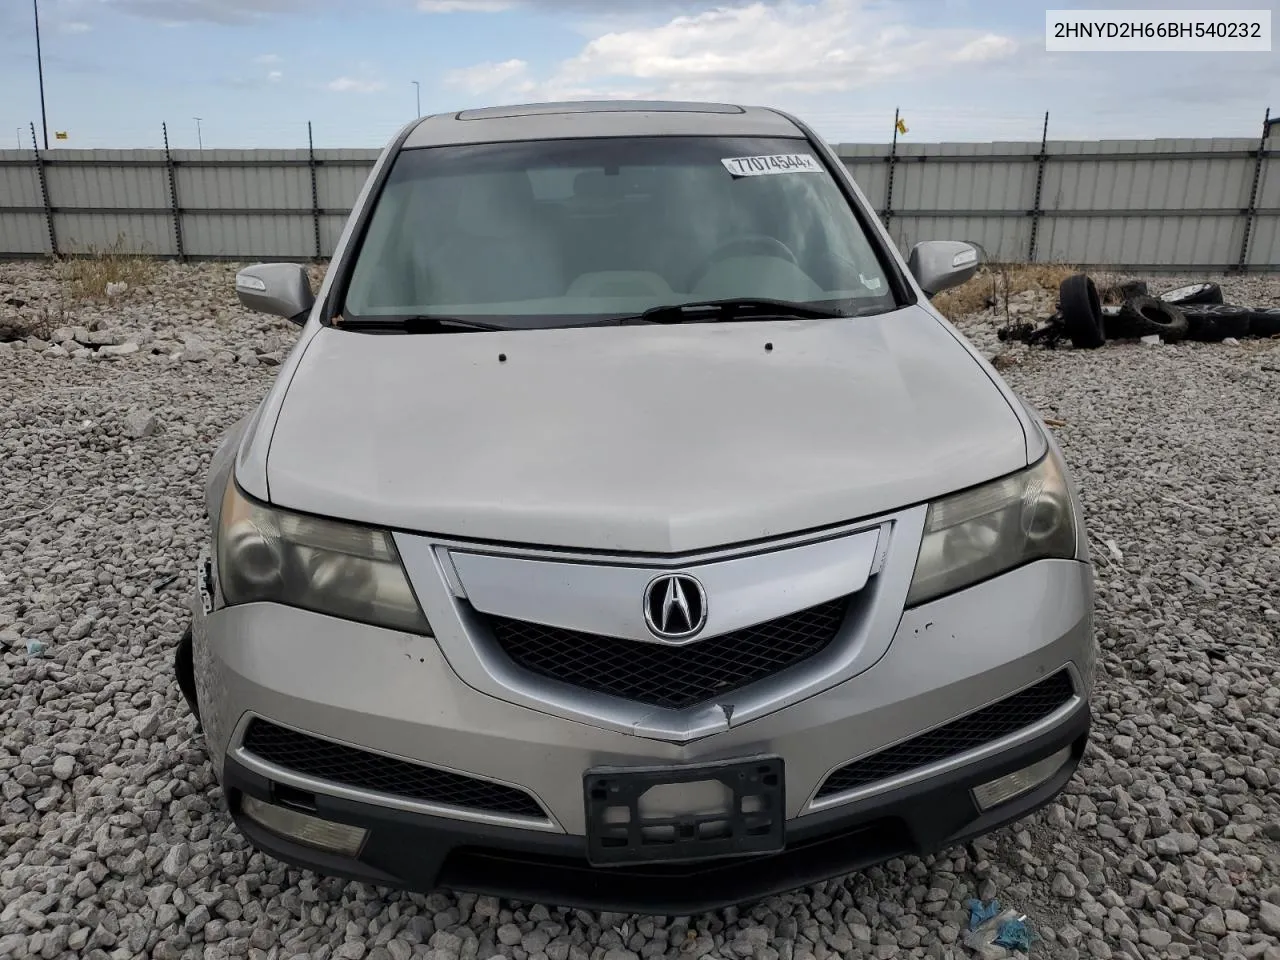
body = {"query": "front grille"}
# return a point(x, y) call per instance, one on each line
point(350, 767)
point(967, 733)
point(663, 676)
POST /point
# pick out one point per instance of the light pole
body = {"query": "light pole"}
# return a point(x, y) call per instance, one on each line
point(417, 90)
point(199, 138)
point(44, 123)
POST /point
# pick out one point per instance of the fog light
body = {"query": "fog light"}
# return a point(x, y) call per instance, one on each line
point(1005, 788)
point(313, 831)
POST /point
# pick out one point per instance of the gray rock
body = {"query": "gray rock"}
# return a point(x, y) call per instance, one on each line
point(1062, 887)
point(1154, 937)
point(1269, 918)
point(119, 350)
point(139, 424)
point(101, 338)
point(1213, 922)
point(146, 725)
point(509, 934)
point(64, 767)
point(176, 860)
point(196, 919)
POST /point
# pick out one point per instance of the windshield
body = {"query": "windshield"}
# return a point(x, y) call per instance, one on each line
point(552, 232)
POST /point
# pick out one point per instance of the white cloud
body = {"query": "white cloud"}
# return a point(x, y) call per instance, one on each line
point(355, 85)
point(758, 50)
point(465, 6)
point(275, 76)
point(267, 59)
point(484, 77)
point(76, 26)
point(990, 47)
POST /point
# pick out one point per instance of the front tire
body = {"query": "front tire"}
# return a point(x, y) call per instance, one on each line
point(184, 671)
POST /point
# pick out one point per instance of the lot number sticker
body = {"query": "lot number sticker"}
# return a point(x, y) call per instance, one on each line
point(774, 163)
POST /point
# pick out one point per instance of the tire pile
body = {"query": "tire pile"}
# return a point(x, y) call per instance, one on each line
point(1194, 312)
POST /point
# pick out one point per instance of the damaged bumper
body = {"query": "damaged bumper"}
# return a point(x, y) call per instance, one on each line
point(395, 695)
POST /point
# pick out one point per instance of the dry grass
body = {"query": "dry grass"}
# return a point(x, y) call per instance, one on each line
point(994, 284)
point(88, 276)
point(40, 324)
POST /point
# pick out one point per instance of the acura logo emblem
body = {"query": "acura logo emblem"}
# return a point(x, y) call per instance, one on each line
point(675, 606)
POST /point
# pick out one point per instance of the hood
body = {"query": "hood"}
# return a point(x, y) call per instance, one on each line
point(650, 439)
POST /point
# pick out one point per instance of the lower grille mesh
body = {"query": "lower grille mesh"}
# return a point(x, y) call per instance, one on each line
point(350, 767)
point(672, 677)
point(967, 733)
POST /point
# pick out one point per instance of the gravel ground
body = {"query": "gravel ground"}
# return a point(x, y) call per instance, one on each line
point(113, 844)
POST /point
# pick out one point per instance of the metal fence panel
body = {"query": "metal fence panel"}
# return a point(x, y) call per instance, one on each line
point(249, 236)
point(25, 234)
point(341, 175)
point(235, 186)
point(1110, 179)
point(954, 176)
point(1195, 242)
point(1264, 245)
point(144, 233)
point(113, 179)
point(23, 229)
point(1269, 185)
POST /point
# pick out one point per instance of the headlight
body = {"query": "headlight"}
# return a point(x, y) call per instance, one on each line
point(341, 569)
point(993, 528)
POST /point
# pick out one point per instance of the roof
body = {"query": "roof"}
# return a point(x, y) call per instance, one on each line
point(599, 118)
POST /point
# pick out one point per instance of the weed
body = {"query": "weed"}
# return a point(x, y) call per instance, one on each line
point(40, 323)
point(994, 284)
point(88, 275)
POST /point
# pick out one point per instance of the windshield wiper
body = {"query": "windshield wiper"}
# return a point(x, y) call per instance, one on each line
point(420, 323)
point(740, 308)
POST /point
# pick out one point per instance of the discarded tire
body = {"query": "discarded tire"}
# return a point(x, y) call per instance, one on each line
point(1208, 293)
point(1145, 316)
point(1211, 323)
point(1264, 322)
point(1081, 311)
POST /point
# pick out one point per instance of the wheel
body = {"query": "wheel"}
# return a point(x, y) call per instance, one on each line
point(1211, 323)
point(1081, 312)
point(1144, 316)
point(758, 242)
point(1206, 293)
point(184, 671)
point(1264, 322)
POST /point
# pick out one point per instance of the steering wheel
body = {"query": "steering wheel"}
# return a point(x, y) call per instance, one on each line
point(744, 244)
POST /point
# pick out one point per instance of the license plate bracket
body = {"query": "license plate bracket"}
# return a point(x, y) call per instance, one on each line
point(753, 824)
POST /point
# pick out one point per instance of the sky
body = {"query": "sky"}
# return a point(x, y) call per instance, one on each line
point(256, 71)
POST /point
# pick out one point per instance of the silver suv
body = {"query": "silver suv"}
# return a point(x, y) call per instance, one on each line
point(626, 530)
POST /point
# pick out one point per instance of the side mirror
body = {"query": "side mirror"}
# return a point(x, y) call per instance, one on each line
point(281, 289)
point(940, 264)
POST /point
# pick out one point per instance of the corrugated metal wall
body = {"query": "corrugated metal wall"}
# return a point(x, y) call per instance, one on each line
point(1153, 204)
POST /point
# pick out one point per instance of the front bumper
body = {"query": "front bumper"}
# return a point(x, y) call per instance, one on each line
point(417, 852)
point(396, 695)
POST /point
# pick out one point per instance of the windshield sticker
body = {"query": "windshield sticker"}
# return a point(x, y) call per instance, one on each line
point(775, 163)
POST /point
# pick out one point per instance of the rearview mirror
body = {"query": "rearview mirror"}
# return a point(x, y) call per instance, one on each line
point(940, 264)
point(281, 289)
